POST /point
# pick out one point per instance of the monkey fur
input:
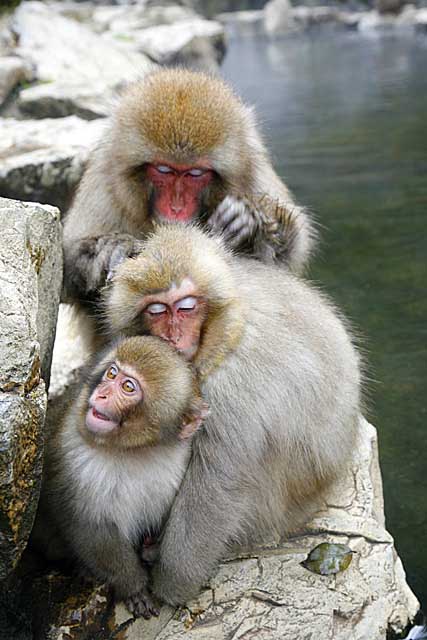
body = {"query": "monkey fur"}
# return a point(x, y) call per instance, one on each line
point(102, 492)
point(282, 379)
point(184, 119)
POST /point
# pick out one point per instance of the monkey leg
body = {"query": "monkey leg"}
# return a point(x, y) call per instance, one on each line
point(113, 558)
point(90, 263)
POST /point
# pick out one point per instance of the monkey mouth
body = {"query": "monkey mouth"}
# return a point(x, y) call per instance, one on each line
point(98, 422)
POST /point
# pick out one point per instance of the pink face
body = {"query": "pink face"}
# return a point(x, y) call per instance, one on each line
point(177, 316)
point(119, 391)
point(178, 189)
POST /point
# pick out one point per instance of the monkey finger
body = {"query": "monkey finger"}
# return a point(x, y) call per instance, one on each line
point(229, 209)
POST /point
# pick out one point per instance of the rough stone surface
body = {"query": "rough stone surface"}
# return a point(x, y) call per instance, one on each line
point(13, 70)
point(58, 100)
point(30, 284)
point(197, 43)
point(389, 6)
point(43, 160)
point(123, 19)
point(65, 607)
point(266, 594)
point(64, 50)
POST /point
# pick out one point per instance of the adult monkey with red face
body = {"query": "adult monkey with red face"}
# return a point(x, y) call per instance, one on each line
point(179, 147)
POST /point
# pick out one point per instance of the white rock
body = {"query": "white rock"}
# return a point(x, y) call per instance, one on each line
point(278, 17)
point(58, 100)
point(13, 70)
point(64, 50)
point(268, 595)
point(199, 43)
point(30, 285)
point(42, 160)
point(123, 19)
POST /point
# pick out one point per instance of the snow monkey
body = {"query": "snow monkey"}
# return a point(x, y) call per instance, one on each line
point(180, 146)
point(115, 464)
point(281, 377)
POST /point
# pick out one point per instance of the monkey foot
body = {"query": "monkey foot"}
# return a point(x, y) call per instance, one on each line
point(140, 605)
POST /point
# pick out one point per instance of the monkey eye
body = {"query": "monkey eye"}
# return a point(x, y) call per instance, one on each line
point(112, 372)
point(186, 304)
point(196, 173)
point(129, 386)
point(156, 308)
point(163, 168)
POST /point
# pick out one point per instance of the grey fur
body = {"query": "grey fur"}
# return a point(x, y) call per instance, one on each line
point(98, 500)
point(284, 409)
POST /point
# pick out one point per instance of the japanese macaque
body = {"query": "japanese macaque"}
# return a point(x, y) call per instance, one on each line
point(281, 377)
point(180, 146)
point(115, 464)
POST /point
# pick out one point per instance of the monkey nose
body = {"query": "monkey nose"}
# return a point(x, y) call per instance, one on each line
point(177, 207)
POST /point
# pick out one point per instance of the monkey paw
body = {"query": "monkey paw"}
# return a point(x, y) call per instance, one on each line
point(140, 605)
point(235, 220)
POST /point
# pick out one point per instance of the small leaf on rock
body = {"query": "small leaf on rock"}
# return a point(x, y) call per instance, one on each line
point(328, 558)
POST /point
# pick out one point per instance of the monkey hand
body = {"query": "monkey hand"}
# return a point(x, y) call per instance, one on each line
point(92, 262)
point(194, 419)
point(236, 221)
point(141, 605)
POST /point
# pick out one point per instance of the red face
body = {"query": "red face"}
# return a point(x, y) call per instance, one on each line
point(176, 316)
point(117, 393)
point(178, 189)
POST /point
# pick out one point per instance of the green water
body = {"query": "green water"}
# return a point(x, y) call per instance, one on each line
point(345, 116)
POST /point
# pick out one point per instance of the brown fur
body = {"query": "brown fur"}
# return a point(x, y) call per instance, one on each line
point(178, 116)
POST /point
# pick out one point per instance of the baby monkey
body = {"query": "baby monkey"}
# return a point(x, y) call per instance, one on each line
point(115, 463)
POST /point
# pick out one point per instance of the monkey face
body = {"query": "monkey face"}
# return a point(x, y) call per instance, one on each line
point(177, 316)
point(178, 190)
point(119, 391)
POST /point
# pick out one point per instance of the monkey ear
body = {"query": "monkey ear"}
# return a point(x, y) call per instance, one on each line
point(193, 419)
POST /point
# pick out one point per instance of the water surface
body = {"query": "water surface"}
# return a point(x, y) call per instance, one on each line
point(345, 116)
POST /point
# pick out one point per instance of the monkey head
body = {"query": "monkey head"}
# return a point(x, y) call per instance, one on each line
point(180, 141)
point(140, 393)
point(179, 288)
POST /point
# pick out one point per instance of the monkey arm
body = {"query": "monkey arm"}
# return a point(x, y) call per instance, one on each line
point(90, 262)
point(207, 514)
point(113, 558)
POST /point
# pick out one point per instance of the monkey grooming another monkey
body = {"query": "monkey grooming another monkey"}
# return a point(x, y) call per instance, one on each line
point(115, 464)
point(180, 146)
point(279, 373)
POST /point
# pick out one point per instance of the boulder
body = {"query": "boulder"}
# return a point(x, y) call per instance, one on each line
point(278, 18)
point(421, 20)
point(128, 18)
point(66, 51)
point(307, 17)
point(197, 43)
point(58, 100)
point(13, 71)
point(43, 160)
point(30, 285)
point(389, 6)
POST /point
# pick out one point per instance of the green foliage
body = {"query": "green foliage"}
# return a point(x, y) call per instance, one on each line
point(7, 6)
point(327, 559)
